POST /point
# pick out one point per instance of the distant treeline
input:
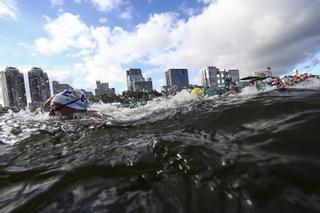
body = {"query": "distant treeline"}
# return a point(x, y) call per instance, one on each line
point(126, 97)
point(3, 109)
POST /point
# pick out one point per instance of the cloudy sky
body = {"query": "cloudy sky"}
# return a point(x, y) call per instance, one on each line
point(81, 41)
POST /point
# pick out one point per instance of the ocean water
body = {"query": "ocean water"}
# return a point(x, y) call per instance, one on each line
point(253, 152)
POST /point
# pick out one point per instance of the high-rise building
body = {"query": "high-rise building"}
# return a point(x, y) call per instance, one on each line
point(213, 77)
point(103, 89)
point(39, 85)
point(13, 88)
point(143, 86)
point(57, 87)
point(136, 82)
point(234, 75)
point(133, 75)
point(177, 78)
point(209, 76)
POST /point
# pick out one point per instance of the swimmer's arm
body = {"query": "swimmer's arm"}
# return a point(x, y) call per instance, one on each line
point(46, 104)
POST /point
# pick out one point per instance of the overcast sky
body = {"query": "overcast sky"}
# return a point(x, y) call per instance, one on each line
point(81, 41)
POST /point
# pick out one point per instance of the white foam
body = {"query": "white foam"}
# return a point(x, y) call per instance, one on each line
point(18, 126)
point(15, 127)
point(248, 91)
point(156, 105)
point(311, 83)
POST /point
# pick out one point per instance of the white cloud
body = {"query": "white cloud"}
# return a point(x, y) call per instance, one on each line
point(106, 5)
point(247, 35)
point(61, 75)
point(189, 11)
point(78, 1)
point(67, 31)
point(127, 14)
point(103, 20)
point(112, 47)
point(8, 8)
point(56, 2)
point(228, 33)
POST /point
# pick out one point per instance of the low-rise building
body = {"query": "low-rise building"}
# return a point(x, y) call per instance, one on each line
point(265, 73)
point(103, 89)
point(143, 86)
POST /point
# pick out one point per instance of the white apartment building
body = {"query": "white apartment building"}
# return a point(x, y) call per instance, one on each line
point(211, 76)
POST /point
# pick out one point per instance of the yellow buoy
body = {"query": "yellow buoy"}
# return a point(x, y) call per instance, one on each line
point(196, 92)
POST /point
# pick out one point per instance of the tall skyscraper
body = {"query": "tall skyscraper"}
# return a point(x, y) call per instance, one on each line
point(133, 75)
point(103, 89)
point(13, 88)
point(136, 82)
point(177, 78)
point(213, 77)
point(57, 87)
point(39, 85)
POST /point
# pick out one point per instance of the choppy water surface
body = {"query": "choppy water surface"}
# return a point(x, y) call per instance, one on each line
point(255, 152)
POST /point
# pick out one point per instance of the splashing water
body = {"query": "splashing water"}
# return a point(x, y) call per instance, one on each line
point(158, 105)
point(15, 127)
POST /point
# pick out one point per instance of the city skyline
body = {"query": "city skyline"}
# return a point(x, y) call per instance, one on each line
point(80, 42)
point(33, 94)
point(37, 85)
point(205, 78)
